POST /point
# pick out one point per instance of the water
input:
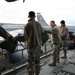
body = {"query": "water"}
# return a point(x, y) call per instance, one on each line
point(71, 28)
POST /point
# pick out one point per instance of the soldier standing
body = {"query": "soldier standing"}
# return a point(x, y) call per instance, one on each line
point(64, 37)
point(33, 31)
point(33, 40)
point(54, 31)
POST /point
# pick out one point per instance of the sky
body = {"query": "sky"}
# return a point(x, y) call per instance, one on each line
point(17, 12)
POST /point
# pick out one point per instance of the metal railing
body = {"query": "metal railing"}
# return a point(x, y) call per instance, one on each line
point(22, 63)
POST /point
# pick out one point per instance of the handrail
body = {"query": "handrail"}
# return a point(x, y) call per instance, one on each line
point(25, 64)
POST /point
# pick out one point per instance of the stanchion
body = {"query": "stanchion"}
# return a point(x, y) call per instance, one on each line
point(45, 49)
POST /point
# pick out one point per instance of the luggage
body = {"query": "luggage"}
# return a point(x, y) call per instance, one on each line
point(45, 37)
point(71, 45)
point(9, 45)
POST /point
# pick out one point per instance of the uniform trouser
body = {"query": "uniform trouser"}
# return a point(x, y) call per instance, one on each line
point(34, 61)
point(64, 45)
point(56, 51)
point(4, 33)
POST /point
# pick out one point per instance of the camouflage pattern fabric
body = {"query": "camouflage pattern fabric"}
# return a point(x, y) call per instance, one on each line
point(34, 61)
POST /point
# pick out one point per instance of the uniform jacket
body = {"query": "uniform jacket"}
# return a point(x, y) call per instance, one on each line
point(63, 33)
point(32, 34)
point(55, 35)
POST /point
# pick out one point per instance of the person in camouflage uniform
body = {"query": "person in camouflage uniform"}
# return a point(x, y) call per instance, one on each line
point(55, 39)
point(32, 32)
point(33, 42)
point(64, 37)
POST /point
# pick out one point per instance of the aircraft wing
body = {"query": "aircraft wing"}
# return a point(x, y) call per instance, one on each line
point(14, 33)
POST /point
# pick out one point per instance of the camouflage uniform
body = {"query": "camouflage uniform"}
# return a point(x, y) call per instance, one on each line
point(55, 39)
point(64, 38)
point(32, 34)
point(34, 61)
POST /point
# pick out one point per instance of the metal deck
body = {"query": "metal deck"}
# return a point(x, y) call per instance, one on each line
point(65, 67)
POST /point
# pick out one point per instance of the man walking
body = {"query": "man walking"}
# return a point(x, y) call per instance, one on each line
point(64, 37)
point(54, 31)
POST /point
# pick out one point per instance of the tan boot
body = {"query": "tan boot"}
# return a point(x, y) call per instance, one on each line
point(30, 74)
point(52, 64)
point(64, 57)
point(57, 61)
point(36, 74)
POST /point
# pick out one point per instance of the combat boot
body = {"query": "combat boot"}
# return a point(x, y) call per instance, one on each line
point(31, 74)
point(53, 63)
point(36, 74)
point(64, 57)
point(57, 60)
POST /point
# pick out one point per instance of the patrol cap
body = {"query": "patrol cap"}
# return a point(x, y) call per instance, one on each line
point(31, 14)
point(63, 22)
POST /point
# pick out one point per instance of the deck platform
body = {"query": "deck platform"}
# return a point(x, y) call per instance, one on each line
point(65, 67)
